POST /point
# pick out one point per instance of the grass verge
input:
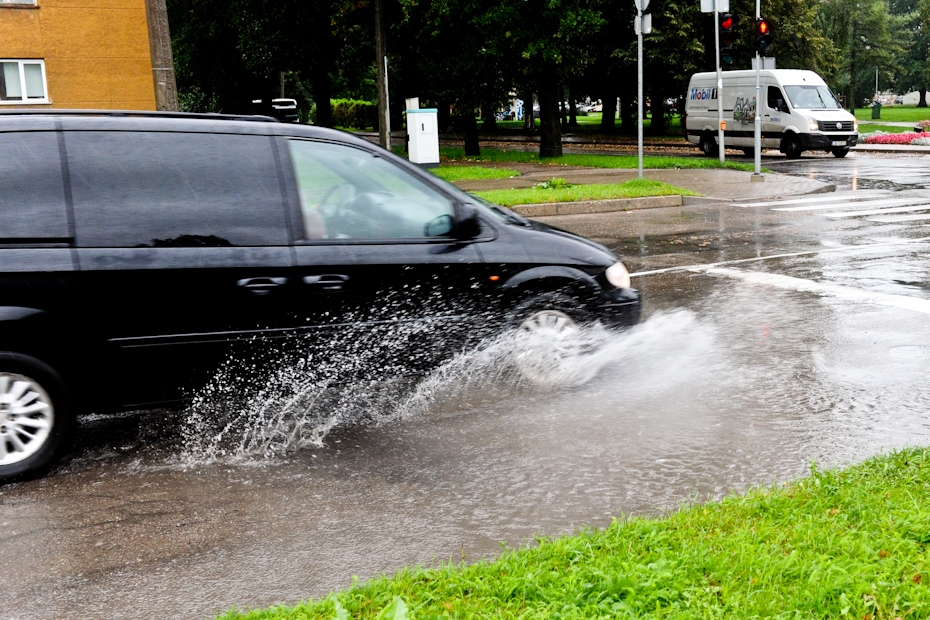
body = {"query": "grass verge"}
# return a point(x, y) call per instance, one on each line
point(635, 188)
point(870, 127)
point(592, 161)
point(838, 544)
point(472, 173)
point(895, 114)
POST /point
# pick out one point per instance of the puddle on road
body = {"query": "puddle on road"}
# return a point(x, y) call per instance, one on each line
point(288, 494)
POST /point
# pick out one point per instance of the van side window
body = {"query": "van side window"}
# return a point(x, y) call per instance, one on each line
point(167, 189)
point(32, 194)
point(349, 193)
point(774, 94)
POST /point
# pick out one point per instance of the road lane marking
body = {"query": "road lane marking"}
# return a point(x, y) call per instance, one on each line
point(904, 302)
point(841, 205)
point(846, 248)
point(891, 219)
point(923, 207)
point(796, 201)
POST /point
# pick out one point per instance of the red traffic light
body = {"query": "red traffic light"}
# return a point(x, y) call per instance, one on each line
point(762, 27)
point(763, 35)
point(727, 22)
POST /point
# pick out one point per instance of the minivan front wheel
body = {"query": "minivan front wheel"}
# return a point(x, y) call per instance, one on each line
point(34, 418)
point(549, 340)
point(842, 151)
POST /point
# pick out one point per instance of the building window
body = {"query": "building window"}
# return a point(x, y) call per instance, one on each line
point(22, 81)
point(27, 2)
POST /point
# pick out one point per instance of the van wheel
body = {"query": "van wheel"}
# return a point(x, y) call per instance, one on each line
point(791, 146)
point(841, 151)
point(708, 144)
point(34, 416)
point(749, 152)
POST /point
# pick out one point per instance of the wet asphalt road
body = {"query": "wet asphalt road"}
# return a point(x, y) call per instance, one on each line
point(740, 374)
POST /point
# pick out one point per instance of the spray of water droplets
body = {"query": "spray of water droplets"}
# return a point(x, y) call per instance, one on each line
point(366, 377)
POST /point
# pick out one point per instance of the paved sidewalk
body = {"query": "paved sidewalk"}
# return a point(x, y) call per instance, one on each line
point(713, 184)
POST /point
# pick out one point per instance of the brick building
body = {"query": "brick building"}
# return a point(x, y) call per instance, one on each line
point(85, 54)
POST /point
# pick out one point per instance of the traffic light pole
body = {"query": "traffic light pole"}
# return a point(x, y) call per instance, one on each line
point(757, 175)
point(720, 147)
point(639, 85)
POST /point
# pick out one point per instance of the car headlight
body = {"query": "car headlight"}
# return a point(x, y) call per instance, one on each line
point(813, 124)
point(618, 275)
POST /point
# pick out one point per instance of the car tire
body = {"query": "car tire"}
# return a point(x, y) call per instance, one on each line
point(35, 417)
point(548, 342)
point(749, 152)
point(708, 144)
point(791, 146)
point(840, 152)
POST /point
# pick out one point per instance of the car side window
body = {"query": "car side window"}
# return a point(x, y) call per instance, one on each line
point(32, 191)
point(349, 193)
point(172, 189)
point(774, 95)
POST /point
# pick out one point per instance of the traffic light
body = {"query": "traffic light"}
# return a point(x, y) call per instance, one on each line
point(726, 39)
point(763, 34)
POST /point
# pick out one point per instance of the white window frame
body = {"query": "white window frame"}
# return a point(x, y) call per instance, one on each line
point(18, 2)
point(22, 82)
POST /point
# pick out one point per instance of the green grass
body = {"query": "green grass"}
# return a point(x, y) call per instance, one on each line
point(636, 188)
point(897, 113)
point(472, 173)
point(869, 127)
point(839, 544)
point(592, 124)
point(592, 161)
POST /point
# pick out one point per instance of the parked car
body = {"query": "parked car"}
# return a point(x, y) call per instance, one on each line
point(140, 250)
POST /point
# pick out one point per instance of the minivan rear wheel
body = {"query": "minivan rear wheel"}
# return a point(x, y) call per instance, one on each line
point(708, 144)
point(34, 416)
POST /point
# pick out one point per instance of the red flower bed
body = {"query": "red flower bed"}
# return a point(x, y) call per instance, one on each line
point(896, 138)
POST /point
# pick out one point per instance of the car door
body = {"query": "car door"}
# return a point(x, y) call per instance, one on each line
point(773, 118)
point(183, 245)
point(376, 246)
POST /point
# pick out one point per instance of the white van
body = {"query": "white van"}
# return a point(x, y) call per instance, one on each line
point(799, 113)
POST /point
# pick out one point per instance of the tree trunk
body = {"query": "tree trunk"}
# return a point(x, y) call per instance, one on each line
point(468, 125)
point(657, 124)
point(488, 118)
point(923, 98)
point(627, 124)
point(572, 105)
point(443, 116)
point(322, 91)
point(609, 110)
point(529, 119)
point(550, 134)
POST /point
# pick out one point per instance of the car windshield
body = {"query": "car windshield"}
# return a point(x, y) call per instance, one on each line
point(811, 97)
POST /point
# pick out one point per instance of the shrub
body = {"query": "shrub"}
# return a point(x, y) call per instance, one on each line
point(354, 113)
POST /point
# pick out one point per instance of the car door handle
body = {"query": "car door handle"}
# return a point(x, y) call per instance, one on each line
point(260, 286)
point(330, 282)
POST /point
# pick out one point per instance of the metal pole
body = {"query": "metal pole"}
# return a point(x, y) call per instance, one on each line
point(639, 86)
point(387, 104)
point(720, 146)
point(757, 175)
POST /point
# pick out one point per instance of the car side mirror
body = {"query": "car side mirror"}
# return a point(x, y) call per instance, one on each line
point(469, 224)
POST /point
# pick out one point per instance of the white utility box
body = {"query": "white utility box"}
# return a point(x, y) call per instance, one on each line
point(422, 136)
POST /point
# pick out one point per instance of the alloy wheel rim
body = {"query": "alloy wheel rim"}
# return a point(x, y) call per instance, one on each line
point(26, 418)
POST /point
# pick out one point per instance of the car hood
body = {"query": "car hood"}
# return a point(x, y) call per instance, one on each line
point(608, 256)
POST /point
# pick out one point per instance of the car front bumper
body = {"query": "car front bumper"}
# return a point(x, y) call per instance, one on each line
point(618, 307)
point(825, 141)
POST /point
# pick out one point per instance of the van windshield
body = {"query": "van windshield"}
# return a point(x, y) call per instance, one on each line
point(811, 97)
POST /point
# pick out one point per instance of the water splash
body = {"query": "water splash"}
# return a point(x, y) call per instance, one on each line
point(365, 378)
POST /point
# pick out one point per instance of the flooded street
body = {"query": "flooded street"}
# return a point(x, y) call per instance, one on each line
point(744, 370)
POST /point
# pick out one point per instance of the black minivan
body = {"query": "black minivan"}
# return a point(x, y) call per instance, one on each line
point(137, 249)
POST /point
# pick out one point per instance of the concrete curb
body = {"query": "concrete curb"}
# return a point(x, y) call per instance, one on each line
point(597, 206)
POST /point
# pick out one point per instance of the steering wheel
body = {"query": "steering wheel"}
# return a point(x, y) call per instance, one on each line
point(328, 209)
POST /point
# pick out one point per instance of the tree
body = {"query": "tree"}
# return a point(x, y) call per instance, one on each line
point(908, 25)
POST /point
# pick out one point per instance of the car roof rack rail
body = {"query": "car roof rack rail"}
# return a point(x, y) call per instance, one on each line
point(138, 113)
